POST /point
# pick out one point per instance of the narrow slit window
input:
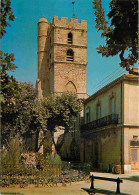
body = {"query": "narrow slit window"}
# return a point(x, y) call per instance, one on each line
point(112, 105)
point(70, 55)
point(98, 111)
point(70, 38)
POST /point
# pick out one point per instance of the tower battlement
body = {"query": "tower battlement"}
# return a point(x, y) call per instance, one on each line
point(65, 23)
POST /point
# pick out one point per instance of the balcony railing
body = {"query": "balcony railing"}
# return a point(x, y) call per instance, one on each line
point(104, 121)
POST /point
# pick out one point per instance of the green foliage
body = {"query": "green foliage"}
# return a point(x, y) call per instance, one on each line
point(44, 180)
point(41, 160)
point(47, 175)
point(6, 14)
point(7, 63)
point(30, 113)
point(26, 116)
point(122, 34)
point(9, 85)
point(62, 110)
point(11, 155)
point(101, 23)
point(9, 89)
point(54, 159)
point(51, 159)
point(47, 147)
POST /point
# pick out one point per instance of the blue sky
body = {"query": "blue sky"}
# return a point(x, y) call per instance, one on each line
point(21, 37)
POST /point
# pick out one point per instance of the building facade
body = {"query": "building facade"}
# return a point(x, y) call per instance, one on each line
point(62, 56)
point(110, 135)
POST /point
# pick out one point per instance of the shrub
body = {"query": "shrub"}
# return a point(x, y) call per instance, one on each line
point(10, 157)
point(54, 159)
point(48, 165)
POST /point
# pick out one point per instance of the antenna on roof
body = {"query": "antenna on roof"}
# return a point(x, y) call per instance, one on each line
point(73, 16)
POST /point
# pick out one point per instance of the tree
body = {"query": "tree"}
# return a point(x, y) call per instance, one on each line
point(9, 90)
point(63, 111)
point(6, 15)
point(121, 36)
point(31, 115)
point(27, 116)
point(9, 85)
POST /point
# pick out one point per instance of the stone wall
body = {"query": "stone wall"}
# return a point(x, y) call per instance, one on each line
point(42, 82)
point(65, 73)
point(102, 149)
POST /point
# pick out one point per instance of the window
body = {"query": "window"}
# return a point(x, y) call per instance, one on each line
point(70, 38)
point(134, 155)
point(98, 111)
point(112, 104)
point(70, 86)
point(70, 55)
point(87, 115)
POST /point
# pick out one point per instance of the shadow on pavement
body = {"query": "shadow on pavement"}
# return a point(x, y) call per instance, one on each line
point(10, 193)
point(132, 178)
point(102, 191)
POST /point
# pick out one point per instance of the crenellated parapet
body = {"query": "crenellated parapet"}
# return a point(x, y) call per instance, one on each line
point(72, 24)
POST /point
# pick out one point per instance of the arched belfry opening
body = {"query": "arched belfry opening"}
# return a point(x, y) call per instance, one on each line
point(70, 55)
point(70, 38)
point(70, 86)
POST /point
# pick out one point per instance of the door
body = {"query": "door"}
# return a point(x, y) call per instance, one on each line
point(135, 159)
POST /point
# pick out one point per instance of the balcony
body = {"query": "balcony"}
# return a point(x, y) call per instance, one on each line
point(104, 121)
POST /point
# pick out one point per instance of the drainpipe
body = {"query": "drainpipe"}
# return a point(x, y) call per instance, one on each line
point(121, 158)
point(84, 137)
point(84, 112)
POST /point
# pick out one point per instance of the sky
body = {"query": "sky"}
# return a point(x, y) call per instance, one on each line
point(21, 37)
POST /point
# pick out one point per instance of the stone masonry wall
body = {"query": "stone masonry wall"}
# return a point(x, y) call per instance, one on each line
point(63, 70)
point(102, 150)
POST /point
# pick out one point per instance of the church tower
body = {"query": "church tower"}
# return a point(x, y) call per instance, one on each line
point(62, 56)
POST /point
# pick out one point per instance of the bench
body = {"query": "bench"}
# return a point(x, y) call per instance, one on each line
point(93, 190)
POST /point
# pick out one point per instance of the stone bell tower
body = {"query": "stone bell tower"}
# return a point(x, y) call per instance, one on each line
point(62, 56)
